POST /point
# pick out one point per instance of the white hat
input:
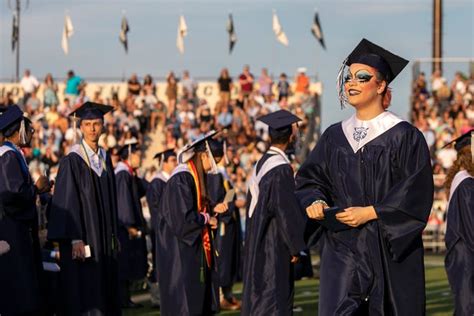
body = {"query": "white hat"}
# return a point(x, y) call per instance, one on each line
point(302, 69)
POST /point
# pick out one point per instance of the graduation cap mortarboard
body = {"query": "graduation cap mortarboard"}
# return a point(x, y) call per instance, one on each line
point(10, 116)
point(462, 141)
point(130, 146)
point(91, 110)
point(279, 119)
point(199, 145)
point(368, 53)
point(164, 155)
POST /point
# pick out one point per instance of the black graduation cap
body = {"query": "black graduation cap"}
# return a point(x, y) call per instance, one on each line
point(199, 145)
point(91, 110)
point(10, 116)
point(387, 63)
point(462, 141)
point(130, 146)
point(164, 155)
point(279, 119)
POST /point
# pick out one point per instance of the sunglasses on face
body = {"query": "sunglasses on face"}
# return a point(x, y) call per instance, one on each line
point(360, 77)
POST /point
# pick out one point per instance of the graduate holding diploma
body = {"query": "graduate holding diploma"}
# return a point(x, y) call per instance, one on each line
point(376, 168)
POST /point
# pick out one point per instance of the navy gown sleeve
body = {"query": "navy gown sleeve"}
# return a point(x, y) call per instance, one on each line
point(65, 217)
point(142, 186)
point(313, 179)
point(125, 203)
point(403, 212)
point(288, 213)
point(180, 209)
point(153, 198)
point(17, 193)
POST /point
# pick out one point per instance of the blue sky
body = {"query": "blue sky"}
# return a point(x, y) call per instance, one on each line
point(403, 27)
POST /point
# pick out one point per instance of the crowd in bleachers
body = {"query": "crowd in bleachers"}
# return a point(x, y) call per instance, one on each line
point(180, 118)
point(443, 110)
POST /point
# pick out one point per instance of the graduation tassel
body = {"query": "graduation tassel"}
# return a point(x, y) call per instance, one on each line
point(160, 162)
point(22, 132)
point(226, 158)
point(74, 128)
point(340, 85)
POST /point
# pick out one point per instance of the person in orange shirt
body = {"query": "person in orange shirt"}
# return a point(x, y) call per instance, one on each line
point(302, 83)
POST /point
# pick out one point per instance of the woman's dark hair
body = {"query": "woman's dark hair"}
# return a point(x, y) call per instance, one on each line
point(463, 161)
point(280, 136)
point(201, 174)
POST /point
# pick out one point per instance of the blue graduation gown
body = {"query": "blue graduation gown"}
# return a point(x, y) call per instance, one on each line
point(228, 235)
point(376, 268)
point(84, 207)
point(133, 264)
point(20, 268)
point(460, 247)
point(273, 234)
point(185, 280)
point(153, 198)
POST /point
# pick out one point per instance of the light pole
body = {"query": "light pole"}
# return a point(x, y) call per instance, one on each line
point(16, 33)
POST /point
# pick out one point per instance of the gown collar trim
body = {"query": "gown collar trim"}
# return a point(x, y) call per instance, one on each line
point(358, 133)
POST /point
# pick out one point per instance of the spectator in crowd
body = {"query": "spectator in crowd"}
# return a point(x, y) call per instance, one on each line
point(148, 84)
point(225, 86)
point(265, 83)
point(28, 83)
point(189, 86)
point(74, 84)
point(283, 87)
point(133, 85)
point(302, 83)
point(246, 80)
point(50, 91)
point(171, 93)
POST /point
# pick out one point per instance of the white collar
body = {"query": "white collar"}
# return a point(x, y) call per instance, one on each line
point(358, 133)
point(278, 151)
point(162, 175)
point(91, 153)
point(121, 166)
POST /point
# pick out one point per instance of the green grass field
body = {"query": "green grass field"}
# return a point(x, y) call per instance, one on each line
point(438, 297)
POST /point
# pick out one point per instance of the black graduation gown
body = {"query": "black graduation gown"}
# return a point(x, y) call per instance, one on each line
point(376, 268)
point(84, 207)
point(460, 247)
point(274, 233)
point(228, 235)
point(186, 286)
point(133, 263)
point(20, 268)
point(153, 198)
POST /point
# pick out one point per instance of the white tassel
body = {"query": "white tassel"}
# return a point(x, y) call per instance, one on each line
point(22, 132)
point(340, 85)
point(226, 158)
point(160, 162)
point(74, 129)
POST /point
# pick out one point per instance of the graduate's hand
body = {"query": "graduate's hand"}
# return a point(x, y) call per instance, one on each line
point(132, 232)
point(315, 211)
point(78, 251)
point(213, 222)
point(295, 259)
point(221, 208)
point(42, 184)
point(4, 247)
point(356, 216)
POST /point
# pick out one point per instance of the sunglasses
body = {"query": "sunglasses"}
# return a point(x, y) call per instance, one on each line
point(360, 77)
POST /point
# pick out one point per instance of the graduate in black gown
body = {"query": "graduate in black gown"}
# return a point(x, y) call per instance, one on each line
point(133, 264)
point(227, 238)
point(460, 226)
point(184, 239)
point(376, 168)
point(274, 234)
point(166, 163)
point(21, 273)
point(83, 220)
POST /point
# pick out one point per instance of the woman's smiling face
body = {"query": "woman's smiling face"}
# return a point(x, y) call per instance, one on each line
point(361, 85)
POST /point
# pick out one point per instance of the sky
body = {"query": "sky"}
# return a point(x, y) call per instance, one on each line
point(402, 26)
